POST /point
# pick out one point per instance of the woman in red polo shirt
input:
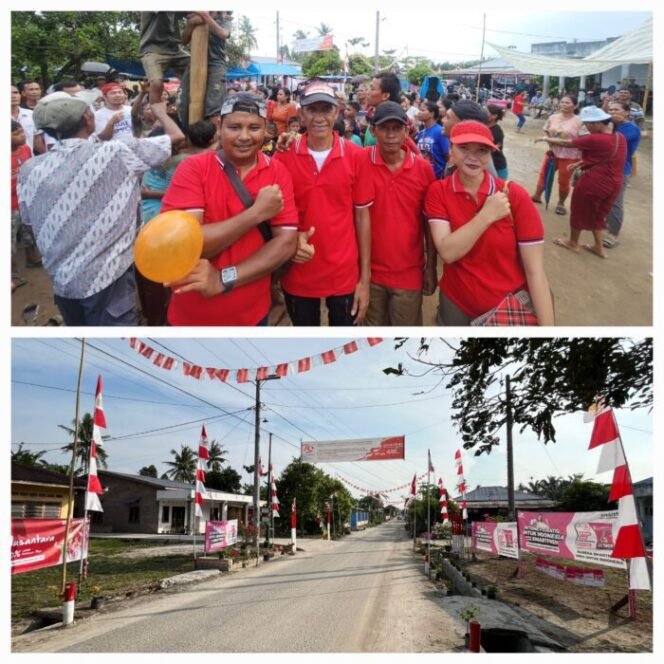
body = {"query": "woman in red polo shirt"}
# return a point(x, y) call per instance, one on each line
point(488, 233)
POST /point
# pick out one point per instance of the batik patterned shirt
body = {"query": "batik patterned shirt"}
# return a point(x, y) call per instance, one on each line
point(82, 199)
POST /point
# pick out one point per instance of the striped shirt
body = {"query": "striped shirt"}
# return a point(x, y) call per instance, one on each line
point(82, 199)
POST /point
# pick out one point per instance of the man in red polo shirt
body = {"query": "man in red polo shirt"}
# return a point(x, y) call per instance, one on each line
point(396, 180)
point(334, 244)
point(231, 284)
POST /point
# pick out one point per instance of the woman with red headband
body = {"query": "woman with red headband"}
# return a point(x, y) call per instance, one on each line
point(490, 237)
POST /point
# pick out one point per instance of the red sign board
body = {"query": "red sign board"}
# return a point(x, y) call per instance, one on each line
point(37, 543)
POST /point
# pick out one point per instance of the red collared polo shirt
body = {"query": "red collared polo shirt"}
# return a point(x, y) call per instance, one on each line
point(492, 268)
point(200, 184)
point(325, 199)
point(397, 235)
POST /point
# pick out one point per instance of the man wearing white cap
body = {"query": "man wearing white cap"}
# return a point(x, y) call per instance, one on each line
point(82, 200)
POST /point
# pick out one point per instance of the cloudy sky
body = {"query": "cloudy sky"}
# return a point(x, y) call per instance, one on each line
point(151, 411)
point(446, 33)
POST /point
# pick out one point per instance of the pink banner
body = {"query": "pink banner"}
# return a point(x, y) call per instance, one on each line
point(585, 536)
point(220, 534)
point(359, 449)
point(37, 543)
point(501, 539)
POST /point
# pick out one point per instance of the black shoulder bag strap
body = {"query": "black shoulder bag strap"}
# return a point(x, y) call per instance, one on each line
point(243, 194)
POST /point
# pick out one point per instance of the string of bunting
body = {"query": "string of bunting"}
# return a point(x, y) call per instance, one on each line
point(302, 365)
point(374, 492)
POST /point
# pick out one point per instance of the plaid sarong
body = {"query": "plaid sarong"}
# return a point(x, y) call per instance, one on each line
point(515, 309)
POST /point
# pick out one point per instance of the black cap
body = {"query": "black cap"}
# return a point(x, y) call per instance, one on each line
point(389, 110)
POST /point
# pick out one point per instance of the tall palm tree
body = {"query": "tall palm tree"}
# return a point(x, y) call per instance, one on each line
point(217, 456)
point(183, 468)
point(84, 443)
point(324, 29)
point(300, 34)
point(28, 458)
point(247, 34)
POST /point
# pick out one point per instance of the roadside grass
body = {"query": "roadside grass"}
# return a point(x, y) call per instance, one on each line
point(108, 574)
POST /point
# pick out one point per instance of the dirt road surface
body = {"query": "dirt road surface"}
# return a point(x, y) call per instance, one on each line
point(587, 290)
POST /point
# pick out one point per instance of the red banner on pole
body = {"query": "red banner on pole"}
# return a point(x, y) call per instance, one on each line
point(37, 543)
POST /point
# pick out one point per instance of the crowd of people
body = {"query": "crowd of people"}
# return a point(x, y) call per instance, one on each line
point(351, 197)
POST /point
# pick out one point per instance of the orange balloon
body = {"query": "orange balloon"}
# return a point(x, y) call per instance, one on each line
point(168, 246)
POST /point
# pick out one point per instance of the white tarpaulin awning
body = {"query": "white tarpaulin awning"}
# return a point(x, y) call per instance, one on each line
point(633, 48)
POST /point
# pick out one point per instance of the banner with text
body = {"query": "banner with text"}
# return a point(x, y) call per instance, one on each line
point(361, 449)
point(220, 534)
point(500, 539)
point(586, 536)
point(323, 43)
point(37, 543)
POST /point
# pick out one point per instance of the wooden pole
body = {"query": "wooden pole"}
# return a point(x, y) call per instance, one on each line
point(198, 73)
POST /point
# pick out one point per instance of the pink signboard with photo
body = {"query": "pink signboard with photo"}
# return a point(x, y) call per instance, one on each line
point(500, 539)
point(220, 534)
point(584, 536)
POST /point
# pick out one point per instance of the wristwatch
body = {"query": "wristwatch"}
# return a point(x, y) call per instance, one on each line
point(228, 277)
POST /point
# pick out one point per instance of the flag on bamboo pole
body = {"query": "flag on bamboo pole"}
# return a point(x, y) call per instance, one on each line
point(293, 516)
point(94, 487)
point(430, 467)
point(413, 486)
point(628, 543)
point(203, 458)
point(461, 483)
point(443, 502)
point(274, 501)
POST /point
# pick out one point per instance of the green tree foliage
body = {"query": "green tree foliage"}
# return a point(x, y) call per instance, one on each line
point(549, 377)
point(324, 29)
point(322, 63)
point(183, 466)
point(246, 36)
point(418, 73)
point(148, 471)
point(585, 496)
point(228, 480)
point(217, 456)
point(47, 43)
point(27, 458)
point(359, 65)
point(84, 443)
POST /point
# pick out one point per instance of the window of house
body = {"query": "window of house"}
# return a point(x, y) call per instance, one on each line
point(35, 510)
point(133, 515)
point(165, 514)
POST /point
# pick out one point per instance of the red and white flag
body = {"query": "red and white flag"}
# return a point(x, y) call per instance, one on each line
point(430, 467)
point(629, 540)
point(94, 488)
point(261, 470)
point(461, 483)
point(443, 502)
point(203, 458)
point(413, 486)
point(274, 501)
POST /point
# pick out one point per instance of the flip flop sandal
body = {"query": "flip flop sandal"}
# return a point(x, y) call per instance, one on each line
point(17, 282)
point(560, 209)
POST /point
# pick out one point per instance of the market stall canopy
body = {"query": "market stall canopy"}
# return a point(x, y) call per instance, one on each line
point(633, 48)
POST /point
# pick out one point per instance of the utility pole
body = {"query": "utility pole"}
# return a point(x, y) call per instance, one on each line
point(479, 71)
point(257, 450)
point(269, 489)
point(510, 461)
point(278, 46)
point(376, 57)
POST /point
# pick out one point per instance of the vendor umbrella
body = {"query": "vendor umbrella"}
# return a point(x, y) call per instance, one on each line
point(549, 176)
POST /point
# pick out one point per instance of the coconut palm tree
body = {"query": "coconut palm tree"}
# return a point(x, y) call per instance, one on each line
point(247, 35)
point(183, 468)
point(217, 456)
point(28, 458)
point(84, 442)
point(324, 29)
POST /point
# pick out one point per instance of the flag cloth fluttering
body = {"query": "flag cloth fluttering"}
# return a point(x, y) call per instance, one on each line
point(94, 488)
point(461, 483)
point(203, 458)
point(443, 502)
point(413, 486)
point(274, 501)
point(628, 542)
point(261, 470)
point(430, 467)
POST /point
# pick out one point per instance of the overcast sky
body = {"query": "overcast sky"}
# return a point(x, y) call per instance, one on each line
point(444, 34)
point(351, 398)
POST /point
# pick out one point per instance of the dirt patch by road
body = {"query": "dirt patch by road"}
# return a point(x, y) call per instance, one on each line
point(578, 617)
point(587, 290)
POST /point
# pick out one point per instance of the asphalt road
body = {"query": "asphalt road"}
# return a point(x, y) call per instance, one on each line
point(365, 593)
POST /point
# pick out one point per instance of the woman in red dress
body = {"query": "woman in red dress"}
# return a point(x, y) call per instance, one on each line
point(603, 155)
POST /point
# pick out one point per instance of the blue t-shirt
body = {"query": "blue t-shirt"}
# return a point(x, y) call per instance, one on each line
point(435, 147)
point(632, 135)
